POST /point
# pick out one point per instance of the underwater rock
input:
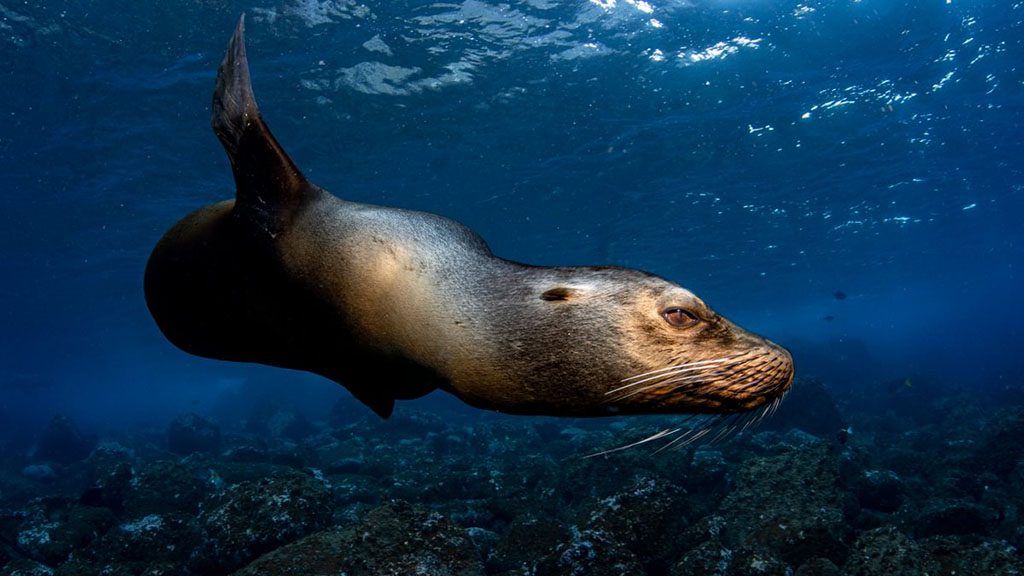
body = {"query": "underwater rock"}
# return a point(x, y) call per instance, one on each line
point(40, 472)
point(62, 442)
point(756, 561)
point(165, 487)
point(335, 455)
point(600, 477)
point(709, 558)
point(501, 440)
point(904, 460)
point(395, 539)
point(709, 529)
point(252, 518)
point(646, 518)
point(979, 486)
point(770, 442)
point(818, 567)
point(278, 422)
point(24, 567)
point(85, 567)
point(284, 456)
point(990, 557)
point(53, 528)
point(440, 484)
point(590, 552)
point(153, 539)
point(888, 552)
point(16, 489)
point(247, 450)
point(880, 490)
point(107, 459)
point(110, 472)
point(190, 433)
point(517, 485)
point(409, 424)
point(345, 466)
point(853, 461)
point(526, 540)
point(152, 546)
point(1003, 446)
point(353, 489)
point(707, 479)
point(483, 539)
point(109, 491)
point(761, 504)
point(953, 517)
point(791, 504)
point(290, 425)
point(221, 473)
point(345, 411)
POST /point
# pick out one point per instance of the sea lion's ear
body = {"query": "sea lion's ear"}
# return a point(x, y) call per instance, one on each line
point(268, 184)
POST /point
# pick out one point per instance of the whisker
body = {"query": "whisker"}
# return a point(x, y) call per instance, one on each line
point(687, 364)
point(653, 437)
point(694, 377)
point(741, 370)
point(708, 372)
point(669, 372)
point(727, 428)
point(690, 437)
point(756, 417)
point(748, 378)
point(737, 375)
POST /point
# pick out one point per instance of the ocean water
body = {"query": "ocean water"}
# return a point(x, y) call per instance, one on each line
point(841, 176)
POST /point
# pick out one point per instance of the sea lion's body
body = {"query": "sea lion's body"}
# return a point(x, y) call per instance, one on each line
point(394, 303)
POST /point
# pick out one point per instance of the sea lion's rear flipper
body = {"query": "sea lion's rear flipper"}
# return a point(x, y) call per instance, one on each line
point(268, 185)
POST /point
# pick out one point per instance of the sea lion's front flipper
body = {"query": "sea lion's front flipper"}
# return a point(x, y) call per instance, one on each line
point(382, 405)
point(269, 187)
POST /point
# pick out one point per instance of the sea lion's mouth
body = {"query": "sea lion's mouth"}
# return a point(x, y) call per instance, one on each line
point(732, 383)
point(723, 396)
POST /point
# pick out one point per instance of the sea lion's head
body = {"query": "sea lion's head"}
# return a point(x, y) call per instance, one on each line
point(691, 359)
point(599, 341)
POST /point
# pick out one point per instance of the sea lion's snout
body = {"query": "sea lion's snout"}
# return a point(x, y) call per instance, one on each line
point(748, 379)
point(700, 362)
point(777, 372)
point(758, 371)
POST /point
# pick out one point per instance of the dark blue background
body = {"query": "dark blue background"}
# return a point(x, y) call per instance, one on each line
point(774, 153)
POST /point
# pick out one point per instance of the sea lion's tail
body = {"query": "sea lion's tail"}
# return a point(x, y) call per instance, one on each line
point(268, 184)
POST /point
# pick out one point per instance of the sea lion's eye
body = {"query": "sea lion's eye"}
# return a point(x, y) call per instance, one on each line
point(679, 317)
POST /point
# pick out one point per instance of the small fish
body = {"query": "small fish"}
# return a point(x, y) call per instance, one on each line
point(828, 318)
point(843, 435)
point(839, 295)
point(895, 386)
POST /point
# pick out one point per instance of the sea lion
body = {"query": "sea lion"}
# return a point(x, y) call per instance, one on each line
point(393, 304)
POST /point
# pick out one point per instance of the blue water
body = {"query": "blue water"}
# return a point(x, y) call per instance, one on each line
point(763, 154)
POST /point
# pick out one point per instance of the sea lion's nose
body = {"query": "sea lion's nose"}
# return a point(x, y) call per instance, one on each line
point(788, 369)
